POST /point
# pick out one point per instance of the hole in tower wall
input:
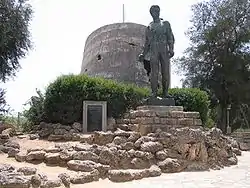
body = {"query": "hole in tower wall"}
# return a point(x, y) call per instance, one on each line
point(86, 70)
point(99, 57)
point(131, 44)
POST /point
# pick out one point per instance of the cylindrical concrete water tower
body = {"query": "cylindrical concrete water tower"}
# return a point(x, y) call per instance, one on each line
point(112, 52)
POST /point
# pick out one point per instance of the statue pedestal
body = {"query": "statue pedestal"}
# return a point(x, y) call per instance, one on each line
point(156, 108)
point(149, 118)
point(157, 101)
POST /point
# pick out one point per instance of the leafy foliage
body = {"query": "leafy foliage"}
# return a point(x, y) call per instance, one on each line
point(62, 102)
point(12, 121)
point(15, 16)
point(218, 58)
point(64, 97)
point(192, 99)
point(35, 113)
point(3, 105)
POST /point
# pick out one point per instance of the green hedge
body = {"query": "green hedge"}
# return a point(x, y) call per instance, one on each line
point(64, 98)
point(192, 99)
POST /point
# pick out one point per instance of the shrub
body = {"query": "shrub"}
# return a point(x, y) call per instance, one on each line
point(17, 122)
point(3, 103)
point(35, 113)
point(192, 99)
point(64, 97)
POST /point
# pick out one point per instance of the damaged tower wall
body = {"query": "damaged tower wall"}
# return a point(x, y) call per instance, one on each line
point(112, 52)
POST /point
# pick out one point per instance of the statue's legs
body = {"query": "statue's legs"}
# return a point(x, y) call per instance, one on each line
point(165, 66)
point(154, 74)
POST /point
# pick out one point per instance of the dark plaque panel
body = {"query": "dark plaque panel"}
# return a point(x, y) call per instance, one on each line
point(94, 118)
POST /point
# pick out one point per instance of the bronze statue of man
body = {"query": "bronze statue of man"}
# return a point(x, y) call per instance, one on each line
point(158, 49)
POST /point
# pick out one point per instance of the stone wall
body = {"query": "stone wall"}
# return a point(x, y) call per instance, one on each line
point(56, 132)
point(146, 119)
point(126, 155)
point(243, 138)
point(112, 52)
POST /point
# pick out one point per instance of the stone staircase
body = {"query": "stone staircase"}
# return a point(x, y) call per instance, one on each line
point(147, 119)
point(243, 138)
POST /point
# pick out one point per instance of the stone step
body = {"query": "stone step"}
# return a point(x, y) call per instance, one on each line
point(244, 146)
point(161, 108)
point(241, 133)
point(241, 136)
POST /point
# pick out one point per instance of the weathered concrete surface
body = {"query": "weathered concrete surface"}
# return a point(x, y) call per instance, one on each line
point(112, 52)
point(231, 177)
point(147, 119)
point(243, 138)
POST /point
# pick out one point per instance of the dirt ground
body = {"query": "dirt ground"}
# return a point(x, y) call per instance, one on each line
point(26, 143)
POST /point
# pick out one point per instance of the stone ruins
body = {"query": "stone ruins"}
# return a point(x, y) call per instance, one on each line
point(146, 143)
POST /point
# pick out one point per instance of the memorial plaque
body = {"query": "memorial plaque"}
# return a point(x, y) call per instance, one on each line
point(94, 118)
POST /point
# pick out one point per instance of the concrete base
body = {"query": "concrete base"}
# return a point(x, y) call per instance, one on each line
point(152, 118)
point(154, 108)
point(157, 101)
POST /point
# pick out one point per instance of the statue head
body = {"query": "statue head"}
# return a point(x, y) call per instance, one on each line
point(155, 11)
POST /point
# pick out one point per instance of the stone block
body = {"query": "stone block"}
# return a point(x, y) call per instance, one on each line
point(132, 114)
point(135, 113)
point(144, 113)
point(176, 114)
point(135, 121)
point(163, 114)
point(133, 127)
point(161, 127)
point(122, 127)
point(244, 146)
point(168, 121)
point(157, 120)
point(146, 120)
point(160, 108)
point(186, 121)
point(119, 121)
point(197, 122)
point(126, 121)
point(53, 137)
point(145, 129)
point(149, 113)
point(192, 115)
point(127, 116)
point(160, 101)
point(123, 121)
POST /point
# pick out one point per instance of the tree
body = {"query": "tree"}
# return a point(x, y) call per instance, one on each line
point(15, 16)
point(3, 105)
point(218, 58)
point(35, 113)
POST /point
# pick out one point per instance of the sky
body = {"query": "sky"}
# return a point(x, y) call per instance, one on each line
point(59, 29)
